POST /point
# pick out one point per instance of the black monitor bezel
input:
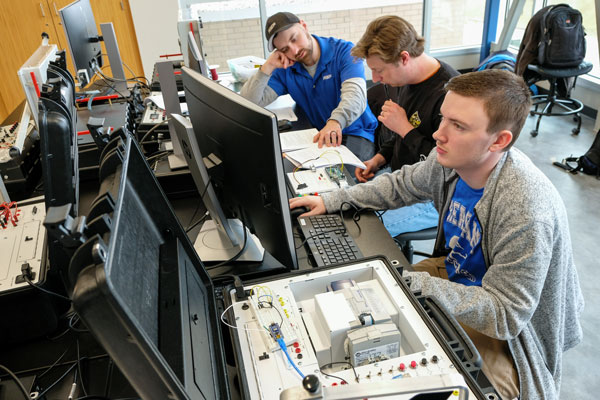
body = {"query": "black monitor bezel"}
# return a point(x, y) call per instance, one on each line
point(252, 174)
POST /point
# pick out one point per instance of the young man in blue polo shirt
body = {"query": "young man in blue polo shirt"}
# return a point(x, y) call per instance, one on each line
point(322, 77)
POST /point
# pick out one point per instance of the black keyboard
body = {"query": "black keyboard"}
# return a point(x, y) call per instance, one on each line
point(327, 239)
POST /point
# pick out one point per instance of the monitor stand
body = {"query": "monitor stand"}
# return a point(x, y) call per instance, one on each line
point(168, 87)
point(211, 246)
point(176, 161)
point(114, 57)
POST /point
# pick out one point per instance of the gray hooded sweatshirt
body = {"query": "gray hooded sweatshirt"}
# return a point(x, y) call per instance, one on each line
point(530, 295)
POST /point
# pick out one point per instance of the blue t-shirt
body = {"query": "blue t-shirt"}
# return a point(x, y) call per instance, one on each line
point(465, 263)
point(320, 95)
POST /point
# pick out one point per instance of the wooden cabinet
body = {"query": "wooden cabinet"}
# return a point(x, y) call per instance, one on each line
point(119, 13)
point(21, 25)
point(23, 21)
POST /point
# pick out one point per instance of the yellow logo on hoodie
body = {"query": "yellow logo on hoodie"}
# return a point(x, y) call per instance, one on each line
point(414, 120)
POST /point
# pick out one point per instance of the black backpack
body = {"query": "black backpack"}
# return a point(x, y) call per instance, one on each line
point(562, 41)
point(589, 163)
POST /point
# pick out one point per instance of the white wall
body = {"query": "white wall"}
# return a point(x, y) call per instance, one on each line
point(155, 23)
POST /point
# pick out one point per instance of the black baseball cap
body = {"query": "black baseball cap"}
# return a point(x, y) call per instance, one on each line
point(277, 23)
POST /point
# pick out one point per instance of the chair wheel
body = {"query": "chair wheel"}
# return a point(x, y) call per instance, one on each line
point(575, 131)
point(534, 133)
point(531, 113)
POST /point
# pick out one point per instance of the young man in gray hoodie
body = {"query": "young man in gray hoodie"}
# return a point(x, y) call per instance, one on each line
point(505, 266)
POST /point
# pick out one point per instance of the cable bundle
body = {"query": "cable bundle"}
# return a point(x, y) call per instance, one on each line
point(9, 213)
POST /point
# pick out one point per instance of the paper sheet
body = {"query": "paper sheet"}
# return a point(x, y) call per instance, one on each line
point(283, 108)
point(157, 99)
point(296, 140)
point(315, 157)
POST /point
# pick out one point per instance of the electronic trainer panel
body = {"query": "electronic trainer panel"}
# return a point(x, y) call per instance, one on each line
point(350, 325)
point(22, 236)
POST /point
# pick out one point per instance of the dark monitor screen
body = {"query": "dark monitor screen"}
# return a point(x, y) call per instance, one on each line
point(250, 180)
point(82, 35)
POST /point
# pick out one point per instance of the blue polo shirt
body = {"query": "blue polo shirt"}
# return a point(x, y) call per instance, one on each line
point(320, 95)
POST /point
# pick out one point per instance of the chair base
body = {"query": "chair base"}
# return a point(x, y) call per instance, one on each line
point(548, 102)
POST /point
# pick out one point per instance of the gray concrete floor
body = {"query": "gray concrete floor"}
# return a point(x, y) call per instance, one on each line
point(581, 194)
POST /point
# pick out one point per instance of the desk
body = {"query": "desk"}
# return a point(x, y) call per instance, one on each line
point(372, 239)
point(36, 356)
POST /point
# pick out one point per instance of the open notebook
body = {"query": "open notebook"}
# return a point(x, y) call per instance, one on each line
point(299, 148)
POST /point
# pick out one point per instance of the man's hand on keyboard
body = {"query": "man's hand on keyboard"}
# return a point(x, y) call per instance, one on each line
point(314, 203)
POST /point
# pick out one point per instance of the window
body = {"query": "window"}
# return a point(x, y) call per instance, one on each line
point(347, 19)
point(230, 29)
point(456, 23)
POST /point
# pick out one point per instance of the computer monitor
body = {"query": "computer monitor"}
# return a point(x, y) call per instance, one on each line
point(196, 59)
point(82, 35)
point(242, 138)
point(219, 239)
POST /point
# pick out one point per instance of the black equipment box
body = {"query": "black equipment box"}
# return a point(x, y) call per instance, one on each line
point(116, 115)
point(20, 157)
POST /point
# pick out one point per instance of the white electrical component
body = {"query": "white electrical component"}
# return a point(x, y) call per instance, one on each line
point(22, 242)
point(372, 344)
point(334, 317)
point(271, 310)
point(34, 73)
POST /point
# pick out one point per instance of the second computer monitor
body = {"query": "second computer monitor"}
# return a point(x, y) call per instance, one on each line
point(82, 35)
point(251, 178)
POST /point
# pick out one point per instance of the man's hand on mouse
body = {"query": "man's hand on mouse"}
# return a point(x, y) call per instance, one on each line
point(314, 203)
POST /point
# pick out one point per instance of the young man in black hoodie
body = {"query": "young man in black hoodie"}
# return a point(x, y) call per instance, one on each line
point(395, 53)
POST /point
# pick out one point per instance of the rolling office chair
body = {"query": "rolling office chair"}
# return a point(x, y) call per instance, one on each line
point(404, 240)
point(554, 97)
point(553, 50)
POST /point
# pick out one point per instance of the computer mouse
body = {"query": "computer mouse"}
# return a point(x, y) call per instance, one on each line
point(284, 125)
point(297, 211)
